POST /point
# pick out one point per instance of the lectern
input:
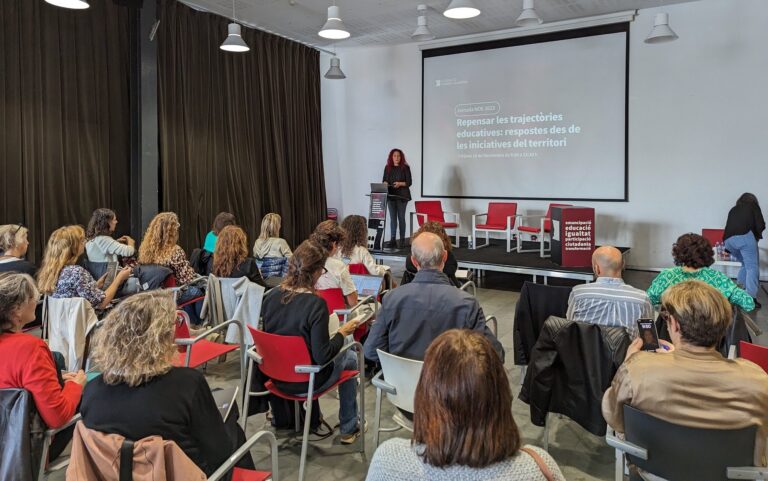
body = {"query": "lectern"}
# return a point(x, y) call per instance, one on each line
point(573, 236)
point(377, 215)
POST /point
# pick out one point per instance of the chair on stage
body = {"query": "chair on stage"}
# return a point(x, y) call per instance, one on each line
point(501, 217)
point(542, 233)
point(432, 210)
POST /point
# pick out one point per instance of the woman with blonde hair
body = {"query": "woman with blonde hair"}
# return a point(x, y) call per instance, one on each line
point(451, 265)
point(141, 394)
point(354, 248)
point(14, 245)
point(231, 256)
point(60, 277)
point(270, 249)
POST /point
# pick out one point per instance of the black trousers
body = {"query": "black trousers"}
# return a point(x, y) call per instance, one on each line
point(397, 216)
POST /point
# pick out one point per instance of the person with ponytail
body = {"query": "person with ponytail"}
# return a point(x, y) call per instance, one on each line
point(293, 309)
point(60, 277)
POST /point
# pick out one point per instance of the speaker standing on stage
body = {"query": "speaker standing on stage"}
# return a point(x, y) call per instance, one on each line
point(397, 175)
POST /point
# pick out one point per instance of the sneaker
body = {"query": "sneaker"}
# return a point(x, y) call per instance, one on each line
point(352, 437)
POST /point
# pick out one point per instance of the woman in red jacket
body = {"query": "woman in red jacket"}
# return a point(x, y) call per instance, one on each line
point(27, 363)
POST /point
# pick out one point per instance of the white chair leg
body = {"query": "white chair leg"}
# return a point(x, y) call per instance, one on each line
point(547, 423)
point(307, 420)
point(377, 421)
point(618, 474)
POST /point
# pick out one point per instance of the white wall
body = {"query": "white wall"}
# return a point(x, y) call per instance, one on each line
point(698, 137)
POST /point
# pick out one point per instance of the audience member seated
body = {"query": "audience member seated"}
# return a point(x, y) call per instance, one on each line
point(451, 265)
point(100, 246)
point(609, 301)
point(269, 243)
point(693, 255)
point(463, 427)
point(412, 316)
point(693, 384)
point(293, 309)
point(354, 249)
point(231, 257)
point(329, 236)
point(60, 277)
point(27, 362)
point(222, 220)
point(140, 394)
point(14, 244)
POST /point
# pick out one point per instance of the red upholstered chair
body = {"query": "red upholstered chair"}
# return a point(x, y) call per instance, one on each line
point(713, 235)
point(198, 351)
point(432, 210)
point(334, 299)
point(358, 269)
point(287, 359)
point(542, 232)
point(754, 353)
point(170, 283)
point(501, 217)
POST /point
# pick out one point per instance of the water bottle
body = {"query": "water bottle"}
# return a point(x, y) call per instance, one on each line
point(470, 242)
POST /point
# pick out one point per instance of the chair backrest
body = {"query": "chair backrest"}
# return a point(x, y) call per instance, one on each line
point(713, 235)
point(280, 355)
point(536, 303)
point(432, 208)
point(21, 448)
point(755, 353)
point(684, 453)
point(334, 298)
point(499, 211)
point(403, 374)
point(548, 215)
point(358, 269)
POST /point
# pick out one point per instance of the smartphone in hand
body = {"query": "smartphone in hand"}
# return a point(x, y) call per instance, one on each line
point(646, 330)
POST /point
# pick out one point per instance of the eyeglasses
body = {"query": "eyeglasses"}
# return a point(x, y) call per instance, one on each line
point(325, 271)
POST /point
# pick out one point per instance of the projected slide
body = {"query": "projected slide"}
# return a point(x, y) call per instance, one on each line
point(542, 120)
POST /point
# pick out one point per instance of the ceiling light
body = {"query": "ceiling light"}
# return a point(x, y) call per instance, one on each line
point(529, 16)
point(234, 41)
point(661, 32)
point(422, 32)
point(335, 73)
point(334, 28)
point(461, 9)
point(73, 4)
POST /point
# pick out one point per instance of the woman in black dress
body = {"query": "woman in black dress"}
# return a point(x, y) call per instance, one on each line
point(397, 176)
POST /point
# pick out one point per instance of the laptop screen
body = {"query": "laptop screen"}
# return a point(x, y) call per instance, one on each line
point(367, 285)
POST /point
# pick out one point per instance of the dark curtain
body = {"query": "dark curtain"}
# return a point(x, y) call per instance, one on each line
point(64, 115)
point(239, 132)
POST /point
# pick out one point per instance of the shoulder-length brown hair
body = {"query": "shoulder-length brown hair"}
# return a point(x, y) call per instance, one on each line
point(231, 250)
point(356, 229)
point(307, 260)
point(463, 403)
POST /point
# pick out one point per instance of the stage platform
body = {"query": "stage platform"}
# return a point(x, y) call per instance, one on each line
point(495, 258)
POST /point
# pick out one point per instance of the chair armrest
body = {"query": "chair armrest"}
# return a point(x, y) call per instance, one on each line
point(73, 420)
point(254, 356)
point(475, 216)
point(512, 221)
point(626, 447)
point(751, 324)
point(454, 214)
point(363, 301)
point(314, 368)
point(747, 472)
point(495, 322)
point(191, 340)
point(243, 450)
point(380, 383)
point(467, 285)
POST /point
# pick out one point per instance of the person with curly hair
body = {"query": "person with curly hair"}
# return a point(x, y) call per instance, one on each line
point(330, 237)
point(354, 248)
point(99, 245)
point(140, 393)
point(231, 256)
point(451, 264)
point(693, 255)
point(61, 277)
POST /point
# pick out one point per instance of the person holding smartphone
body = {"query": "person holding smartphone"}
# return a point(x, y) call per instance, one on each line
point(293, 309)
point(690, 383)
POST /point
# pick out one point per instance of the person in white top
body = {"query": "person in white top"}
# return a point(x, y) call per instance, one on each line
point(269, 243)
point(354, 249)
point(100, 246)
point(330, 236)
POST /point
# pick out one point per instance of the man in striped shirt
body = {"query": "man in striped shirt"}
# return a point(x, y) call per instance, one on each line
point(609, 301)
